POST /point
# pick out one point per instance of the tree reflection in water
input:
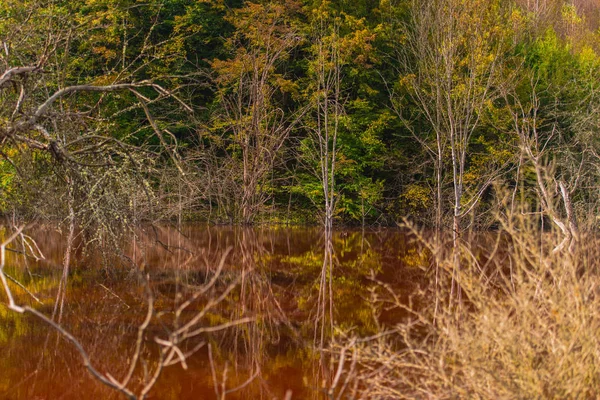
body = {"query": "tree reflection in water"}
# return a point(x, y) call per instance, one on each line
point(295, 289)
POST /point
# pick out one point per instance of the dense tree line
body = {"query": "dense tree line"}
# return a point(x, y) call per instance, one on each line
point(114, 111)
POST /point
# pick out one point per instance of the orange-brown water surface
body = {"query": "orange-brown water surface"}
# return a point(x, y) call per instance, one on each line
point(295, 292)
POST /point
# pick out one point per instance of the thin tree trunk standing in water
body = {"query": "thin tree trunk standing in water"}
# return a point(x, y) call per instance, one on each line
point(328, 111)
point(335, 45)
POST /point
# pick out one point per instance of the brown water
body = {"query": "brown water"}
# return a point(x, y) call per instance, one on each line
point(296, 298)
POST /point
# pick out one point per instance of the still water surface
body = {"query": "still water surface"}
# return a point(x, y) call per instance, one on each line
point(296, 299)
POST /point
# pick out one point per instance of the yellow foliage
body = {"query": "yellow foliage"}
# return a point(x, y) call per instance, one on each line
point(570, 15)
point(417, 196)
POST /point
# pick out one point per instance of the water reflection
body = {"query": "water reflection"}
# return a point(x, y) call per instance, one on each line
point(299, 286)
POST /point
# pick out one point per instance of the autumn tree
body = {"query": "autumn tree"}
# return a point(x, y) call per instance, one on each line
point(251, 87)
point(453, 57)
point(338, 41)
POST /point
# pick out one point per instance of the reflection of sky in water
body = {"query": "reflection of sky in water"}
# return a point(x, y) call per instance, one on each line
point(287, 287)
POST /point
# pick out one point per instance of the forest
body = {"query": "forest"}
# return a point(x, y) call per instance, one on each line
point(353, 113)
point(138, 133)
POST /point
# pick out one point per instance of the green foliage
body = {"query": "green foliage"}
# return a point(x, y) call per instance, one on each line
point(252, 73)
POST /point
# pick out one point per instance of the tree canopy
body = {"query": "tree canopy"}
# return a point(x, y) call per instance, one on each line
point(298, 110)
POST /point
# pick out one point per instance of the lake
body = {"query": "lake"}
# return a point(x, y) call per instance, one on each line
point(281, 295)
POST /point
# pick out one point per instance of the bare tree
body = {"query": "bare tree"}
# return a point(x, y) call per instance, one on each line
point(328, 108)
point(62, 130)
point(536, 137)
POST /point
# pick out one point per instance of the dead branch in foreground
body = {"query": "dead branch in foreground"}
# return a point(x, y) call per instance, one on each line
point(170, 353)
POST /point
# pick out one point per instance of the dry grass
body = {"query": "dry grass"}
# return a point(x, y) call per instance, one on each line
point(527, 326)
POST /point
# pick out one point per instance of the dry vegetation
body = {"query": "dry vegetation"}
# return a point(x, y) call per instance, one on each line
point(525, 326)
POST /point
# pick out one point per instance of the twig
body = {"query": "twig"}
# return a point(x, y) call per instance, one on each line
point(23, 287)
point(114, 294)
